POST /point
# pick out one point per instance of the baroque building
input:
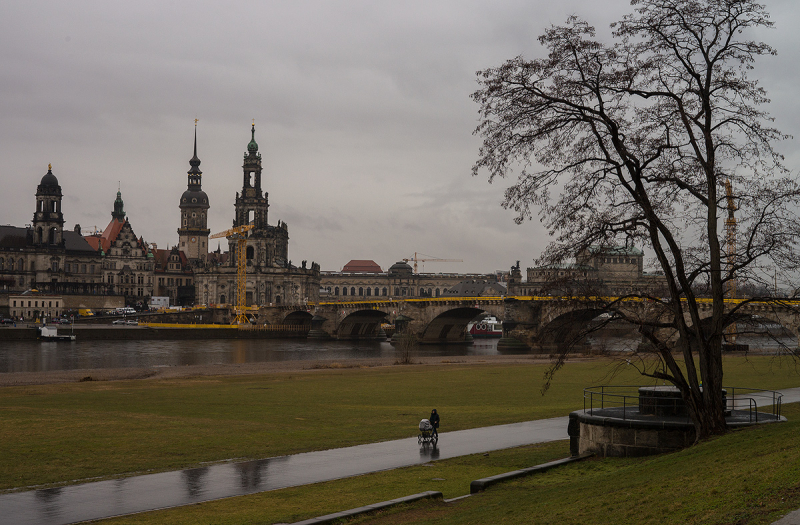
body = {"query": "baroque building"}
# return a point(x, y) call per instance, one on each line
point(43, 260)
point(609, 271)
point(363, 280)
point(271, 276)
point(127, 261)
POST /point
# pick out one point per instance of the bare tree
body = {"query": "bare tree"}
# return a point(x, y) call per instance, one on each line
point(638, 139)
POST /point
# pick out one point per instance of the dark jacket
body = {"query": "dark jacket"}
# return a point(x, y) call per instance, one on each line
point(434, 419)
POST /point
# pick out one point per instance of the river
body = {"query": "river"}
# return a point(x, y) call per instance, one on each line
point(37, 356)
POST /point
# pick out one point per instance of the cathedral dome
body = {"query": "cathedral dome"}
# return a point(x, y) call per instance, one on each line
point(400, 269)
point(194, 199)
point(49, 180)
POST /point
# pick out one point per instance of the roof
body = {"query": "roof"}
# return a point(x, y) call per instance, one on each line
point(162, 259)
point(14, 237)
point(362, 266)
point(476, 289)
point(615, 250)
point(107, 238)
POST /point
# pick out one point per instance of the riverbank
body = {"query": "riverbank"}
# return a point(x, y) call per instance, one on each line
point(298, 366)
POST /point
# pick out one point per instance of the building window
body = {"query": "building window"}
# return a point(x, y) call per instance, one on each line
point(53, 266)
point(344, 290)
point(361, 291)
point(335, 291)
point(352, 290)
point(369, 291)
point(385, 292)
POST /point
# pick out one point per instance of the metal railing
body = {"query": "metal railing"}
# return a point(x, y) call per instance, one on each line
point(627, 397)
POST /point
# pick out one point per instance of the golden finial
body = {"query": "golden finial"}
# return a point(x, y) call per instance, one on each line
point(49, 167)
point(254, 122)
point(195, 122)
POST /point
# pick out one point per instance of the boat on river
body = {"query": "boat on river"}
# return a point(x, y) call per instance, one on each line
point(50, 333)
point(486, 327)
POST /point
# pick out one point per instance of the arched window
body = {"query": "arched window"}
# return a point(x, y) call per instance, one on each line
point(404, 292)
point(344, 290)
point(222, 299)
point(385, 292)
point(39, 234)
point(437, 292)
point(336, 291)
point(361, 291)
point(277, 299)
point(397, 291)
point(20, 265)
point(352, 290)
point(369, 291)
point(250, 252)
point(377, 292)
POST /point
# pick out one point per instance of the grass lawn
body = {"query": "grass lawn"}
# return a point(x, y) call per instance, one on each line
point(746, 477)
point(75, 431)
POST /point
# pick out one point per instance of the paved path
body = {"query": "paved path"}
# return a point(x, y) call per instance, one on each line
point(104, 499)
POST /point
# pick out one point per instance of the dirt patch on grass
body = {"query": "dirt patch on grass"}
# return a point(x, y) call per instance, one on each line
point(171, 372)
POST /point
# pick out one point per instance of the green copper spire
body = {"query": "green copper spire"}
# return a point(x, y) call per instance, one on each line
point(118, 212)
point(253, 146)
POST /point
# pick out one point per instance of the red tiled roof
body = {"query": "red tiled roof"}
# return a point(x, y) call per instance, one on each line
point(366, 266)
point(107, 237)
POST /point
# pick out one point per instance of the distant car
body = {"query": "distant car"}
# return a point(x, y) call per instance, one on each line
point(134, 323)
point(6, 321)
point(119, 321)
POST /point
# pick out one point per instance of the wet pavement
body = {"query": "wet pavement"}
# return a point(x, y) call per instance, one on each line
point(104, 499)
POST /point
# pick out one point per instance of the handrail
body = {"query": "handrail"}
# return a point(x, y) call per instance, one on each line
point(737, 398)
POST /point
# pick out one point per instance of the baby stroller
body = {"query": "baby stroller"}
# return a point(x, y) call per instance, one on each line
point(426, 434)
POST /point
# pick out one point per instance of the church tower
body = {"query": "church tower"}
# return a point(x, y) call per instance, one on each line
point(48, 221)
point(252, 204)
point(193, 233)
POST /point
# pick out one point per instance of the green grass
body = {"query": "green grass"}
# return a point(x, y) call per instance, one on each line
point(60, 433)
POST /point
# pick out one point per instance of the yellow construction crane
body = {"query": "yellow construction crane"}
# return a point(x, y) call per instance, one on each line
point(238, 234)
point(432, 259)
point(730, 234)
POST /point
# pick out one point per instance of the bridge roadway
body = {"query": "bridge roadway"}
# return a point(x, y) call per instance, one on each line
point(103, 499)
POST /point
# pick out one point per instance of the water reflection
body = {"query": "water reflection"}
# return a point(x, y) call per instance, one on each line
point(37, 356)
point(193, 478)
point(429, 451)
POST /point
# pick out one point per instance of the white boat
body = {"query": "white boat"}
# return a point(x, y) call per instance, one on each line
point(50, 333)
point(486, 327)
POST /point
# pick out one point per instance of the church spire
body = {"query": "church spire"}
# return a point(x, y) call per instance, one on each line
point(194, 172)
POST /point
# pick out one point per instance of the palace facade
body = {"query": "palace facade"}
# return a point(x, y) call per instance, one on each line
point(363, 280)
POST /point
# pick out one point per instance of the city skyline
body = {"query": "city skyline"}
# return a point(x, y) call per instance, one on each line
point(362, 115)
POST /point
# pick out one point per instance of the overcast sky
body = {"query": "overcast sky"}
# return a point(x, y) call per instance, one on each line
point(362, 113)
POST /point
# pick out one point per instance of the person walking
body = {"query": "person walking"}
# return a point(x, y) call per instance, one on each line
point(434, 419)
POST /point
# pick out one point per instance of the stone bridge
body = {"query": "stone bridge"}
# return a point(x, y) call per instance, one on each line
point(432, 320)
point(536, 322)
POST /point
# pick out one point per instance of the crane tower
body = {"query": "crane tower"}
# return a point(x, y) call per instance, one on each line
point(238, 234)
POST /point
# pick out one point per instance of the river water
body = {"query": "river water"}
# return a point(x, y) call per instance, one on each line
point(37, 356)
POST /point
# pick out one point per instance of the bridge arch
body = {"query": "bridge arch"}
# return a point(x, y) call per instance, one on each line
point(361, 324)
point(450, 326)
